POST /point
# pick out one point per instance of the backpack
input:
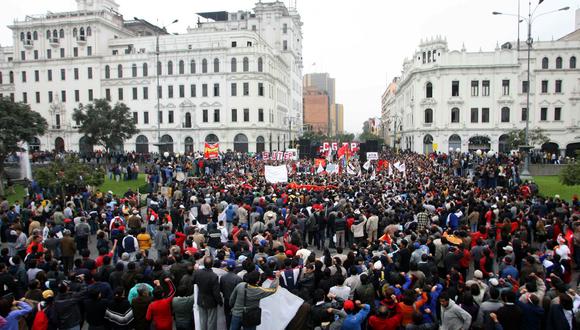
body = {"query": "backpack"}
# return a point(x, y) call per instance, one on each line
point(129, 244)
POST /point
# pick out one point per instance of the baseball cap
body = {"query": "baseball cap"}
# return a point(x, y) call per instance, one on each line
point(348, 305)
point(47, 294)
point(508, 248)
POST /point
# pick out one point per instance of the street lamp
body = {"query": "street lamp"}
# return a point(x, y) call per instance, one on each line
point(289, 120)
point(157, 67)
point(525, 174)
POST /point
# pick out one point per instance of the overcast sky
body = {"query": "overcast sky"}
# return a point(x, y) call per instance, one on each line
point(362, 44)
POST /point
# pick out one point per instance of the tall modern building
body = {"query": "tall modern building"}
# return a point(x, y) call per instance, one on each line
point(339, 113)
point(324, 85)
point(234, 78)
point(455, 99)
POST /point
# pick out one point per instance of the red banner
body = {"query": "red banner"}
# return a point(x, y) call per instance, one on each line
point(211, 151)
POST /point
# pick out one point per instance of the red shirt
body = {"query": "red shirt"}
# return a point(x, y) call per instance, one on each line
point(99, 260)
point(180, 239)
point(160, 311)
point(391, 323)
point(29, 248)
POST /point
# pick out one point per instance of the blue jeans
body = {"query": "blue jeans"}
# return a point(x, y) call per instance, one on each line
point(237, 324)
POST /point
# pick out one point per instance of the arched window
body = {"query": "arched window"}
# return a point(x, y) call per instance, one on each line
point(107, 72)
point(120, 71)
point(89, 32)
point(21, 36)
point(192, 67)
point(142, 144)
point(545, 63)
point(455, 115)
point(61, 33)
point(28, 35)
point(427, 144)
point(246, 64)
point(54, 34)
point(166, 144)
point(181, 67)
point(11, 77)
point(35, 35)
point(159, 71)
point(82, 31)
point(260, 144)
point(212, 138)
point(429, 90)
point(170, 67)
point(187, 120)
point(216, 65)
point(145, 70)
point(428, 116)
point(505, 115)
point(47, 34)
point(241, 143)
point(260, 64)
point(204, 66)
point(558, 62)
point(188, 143)
point(234, 64)
point(573, 62)
point(75, 32)
point(134, 70)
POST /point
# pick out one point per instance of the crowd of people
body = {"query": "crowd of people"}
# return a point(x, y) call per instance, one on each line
point(445, 241)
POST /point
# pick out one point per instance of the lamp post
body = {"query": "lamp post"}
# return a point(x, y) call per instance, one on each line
point(289, 120)
point(525, 174)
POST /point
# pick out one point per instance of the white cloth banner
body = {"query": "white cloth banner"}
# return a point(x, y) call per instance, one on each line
point(279, 309)
point(367, 165)
point(332, 168)
point(276, 174)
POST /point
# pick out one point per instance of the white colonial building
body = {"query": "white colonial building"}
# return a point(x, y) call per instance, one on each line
point(235, 78)
point(470, 100)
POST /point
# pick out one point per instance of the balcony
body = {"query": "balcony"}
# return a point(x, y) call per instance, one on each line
point(28, 44)
point(81, 39)
point(56, 127)
point(54, 42)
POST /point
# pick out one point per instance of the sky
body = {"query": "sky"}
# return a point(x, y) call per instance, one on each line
point(361, 44)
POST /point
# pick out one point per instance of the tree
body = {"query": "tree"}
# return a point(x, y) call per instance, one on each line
point(105, 125)
point(365, 136)
point(570, 175)
point(18, 123)
point(517, 138)
point(68, 175)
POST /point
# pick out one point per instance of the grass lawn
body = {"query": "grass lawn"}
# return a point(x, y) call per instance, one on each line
point(118, 188)
point(550, 186)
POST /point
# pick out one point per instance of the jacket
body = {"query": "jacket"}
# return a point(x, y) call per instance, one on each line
point(67, 312)
point(183, 309)
point(208, 295)
point(68, 246)
point(140, 306)
point(454, 317)
point(252, 298)
point(228, 283)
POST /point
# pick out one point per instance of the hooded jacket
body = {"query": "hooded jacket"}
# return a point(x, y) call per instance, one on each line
point(453, 317)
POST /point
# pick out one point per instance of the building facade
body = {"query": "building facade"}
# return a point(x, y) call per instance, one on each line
point(325, 85)
point(315, 110)
point(339, 111)
point(388, 119)
point(235, 78)
point(459, 100)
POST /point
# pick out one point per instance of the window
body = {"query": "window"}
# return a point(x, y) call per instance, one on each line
point(234, 64)
point(89, 51)
point(285, 28)
point(558, 62)
point(234, 44)
point(89, 31)
point(544, 86)
point(62, 74)
point(160, 117)
point(525, 86)
point(216, 115)
point(261, 115)
point(76, 52)
point(146, 117)
point(23, 55)
point(90, 95)
point(485, 88)
point(246, 89)
point(260, 65)
point(485, 115)
point(558, 86)
point(145, 93)
point(204, 117)
point(234, 89)
point(159, 68)
point(474, 115)
point(57, 120)
point(545, 63)
point(246, 64)
point(135, 117)
point(455, 115)
point(181, 91)
point(134, 93)
point(216, 90)
point(234, 115)
point(49, 75)
point(573, 62)
point(61, 33)
point(455, 88)
point(170, 119)
point(120, 93)
point(260, 89)
point(107, 72)
point(160, 92)
point(428, 116)
point(505, 87)
point(37, 97)
point(188, 120)
point(62, 52)
point(108, 94)
point(216, 65)
point(49, 97)
point(475, 88)
point(134, 70)
point(192, 91)
point(204, 66)
point(192, 67)
point(524, 114)
point(246, 115)
point(204, 90)
point(63, 96)
point(90, 73)
point(505, 115)
point(36, 54)
point(170, 91)
point(181, 67)
point(35, 35)
point(170, 67)
point(285, 45)
point(75, 32)
point(48, 54)
point(23, 74)
point(119, 71)
point(558, 113)
point(77, 95)
point(543, 114)
point(76, 73)
point(145, 70)
point(24, 97)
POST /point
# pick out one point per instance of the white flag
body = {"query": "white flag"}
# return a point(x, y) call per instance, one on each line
point(275, 174)
point(332, 168)
point(373, 176)
point(320, 169)
point(350, 169)
point(367, 165)
point(390, 170)
point(402, 168)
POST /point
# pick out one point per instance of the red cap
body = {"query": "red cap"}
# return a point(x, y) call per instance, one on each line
point(348, 305)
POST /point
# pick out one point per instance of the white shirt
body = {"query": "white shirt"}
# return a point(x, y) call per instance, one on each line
point(342, 292)
point(563, 251)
